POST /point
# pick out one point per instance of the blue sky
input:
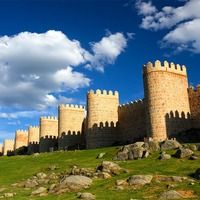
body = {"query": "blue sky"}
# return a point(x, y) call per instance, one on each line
point(54, 51)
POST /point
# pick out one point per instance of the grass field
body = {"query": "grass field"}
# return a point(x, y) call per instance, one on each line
point(18, 168)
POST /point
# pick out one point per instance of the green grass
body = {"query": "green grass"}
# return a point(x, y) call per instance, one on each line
point(17, 168)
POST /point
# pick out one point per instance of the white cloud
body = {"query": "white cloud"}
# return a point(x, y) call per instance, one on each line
point(186, 36)
point(107, 50)
point(35, 66)
point(183, 22)
point(145, 8)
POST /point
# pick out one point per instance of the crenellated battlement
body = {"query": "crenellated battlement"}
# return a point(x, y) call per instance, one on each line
point(33, 127)
point(102, 93)
point(166, 66)
point(131, 105)
point(72, 106)
point(53, 118)
point(51, 137)
point(8, 140)
point(21, 131)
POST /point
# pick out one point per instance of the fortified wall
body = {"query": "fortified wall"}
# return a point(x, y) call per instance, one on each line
point(48, 133)
point(8, 147)
point(33, 139)
point(21, 139)
point(165, 89)
point(169, 109)
point(132, 123)
point(70, 126)
point(194, 98)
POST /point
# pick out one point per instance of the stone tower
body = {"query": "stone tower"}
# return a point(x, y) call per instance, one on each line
point(102, 106)
point(165, 88)
point(8, 147)
point(71, 119)
point(48, 126)
point(33, 134)
point(48, 134)
point(21, 138)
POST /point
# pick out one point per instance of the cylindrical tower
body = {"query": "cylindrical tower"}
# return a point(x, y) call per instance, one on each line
point(71, 119)
point(102, 106)
point(165, 89)
point(33, 134)
point(8, 147)
point(48, 126)
point(21, 138)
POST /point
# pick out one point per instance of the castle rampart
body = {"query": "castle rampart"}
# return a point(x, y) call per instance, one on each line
point(165, 91)
point(194, 97)
point(8, 147)
point(132, 121)
point(21, 139)
point(102, 106)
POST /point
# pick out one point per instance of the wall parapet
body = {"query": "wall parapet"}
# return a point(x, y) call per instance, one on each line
point(131, 104)
point(167, 67)
point(48, 118)
point(21, 131)
point(71, 106)
point(99, 92)
point(34, 126)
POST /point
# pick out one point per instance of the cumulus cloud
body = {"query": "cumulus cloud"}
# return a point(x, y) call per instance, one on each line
point(145, 8)
point(35, 66)
point(183, 23)
point(107, 50)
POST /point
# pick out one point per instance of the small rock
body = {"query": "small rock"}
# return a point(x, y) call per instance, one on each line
point(122, 155)
point(146, 154)
point(39, 191)
point(121, 182)
point(86, 196)
point(8, 195)
point(193, 147)
point(171, 194)
point(52, 167)
point(165, 156)
point(183, 153)
point(36, 154)
point(101, 155)
point(140, 180)
point(31, 184)
point(52, 186)
point(41, 175)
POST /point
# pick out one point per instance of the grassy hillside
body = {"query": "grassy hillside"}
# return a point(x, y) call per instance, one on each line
point(18, 168)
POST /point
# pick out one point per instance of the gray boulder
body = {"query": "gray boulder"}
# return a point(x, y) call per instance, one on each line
point(140, 180)
point(183, 153)
point(122, 155)
point(109, 167)
point(170, 145)
point(75, 183)
point(171, 194)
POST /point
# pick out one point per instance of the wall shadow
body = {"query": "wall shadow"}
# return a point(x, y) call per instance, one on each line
point(179, 126)
point(48, 144)
point(33, 147)
point(71, 140)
